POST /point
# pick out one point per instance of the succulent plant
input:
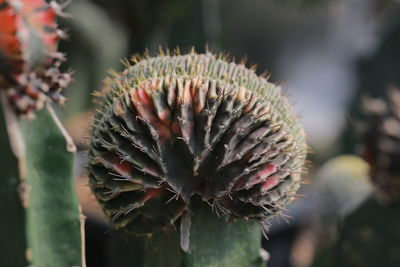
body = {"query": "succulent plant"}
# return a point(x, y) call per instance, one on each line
point(29, 61)
point(381, 140)
point(39, 170)
point(365, 240)
point(174, 126)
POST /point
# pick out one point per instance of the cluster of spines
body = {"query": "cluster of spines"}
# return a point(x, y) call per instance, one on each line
point(134, 110)
point(28, 49)
point(208, 65)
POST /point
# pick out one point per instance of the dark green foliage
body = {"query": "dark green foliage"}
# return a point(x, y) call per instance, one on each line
point(369, 237)
point(163, 250)
point(12, 236)
point(158, 22)
point(371, 240)
point(302, 2)
point(124, 250)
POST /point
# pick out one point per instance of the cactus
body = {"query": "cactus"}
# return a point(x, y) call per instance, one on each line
point(381, 139)
point(175, 126)
point(372, 240)
point(366, 240)
point(43, 204)
point(216, 243)
point(53, 216)
point(28, 51)
point(340, 185)
point(39, 181)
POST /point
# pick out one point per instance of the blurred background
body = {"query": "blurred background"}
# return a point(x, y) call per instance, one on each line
point(325, 54)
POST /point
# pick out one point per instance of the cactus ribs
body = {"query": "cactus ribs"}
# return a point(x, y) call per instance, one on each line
point(176, 126)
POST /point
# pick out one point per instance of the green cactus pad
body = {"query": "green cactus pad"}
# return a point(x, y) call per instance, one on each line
point(171, 127)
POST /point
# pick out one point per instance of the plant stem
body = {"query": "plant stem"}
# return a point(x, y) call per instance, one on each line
point(214, 242)
point(53, 215)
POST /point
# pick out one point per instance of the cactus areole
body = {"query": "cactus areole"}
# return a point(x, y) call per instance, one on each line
point(29, 61)
point(175, 126)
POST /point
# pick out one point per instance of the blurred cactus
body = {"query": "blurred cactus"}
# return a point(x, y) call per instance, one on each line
point(39, 181)
point(172, 127)
point(28, 52)
point(341, 184)
point(370, 235)
point(339, 187)
point(375, 73)
point(381, 142)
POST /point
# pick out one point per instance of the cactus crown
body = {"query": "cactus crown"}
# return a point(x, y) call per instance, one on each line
point(175, 126)
point(29, 61)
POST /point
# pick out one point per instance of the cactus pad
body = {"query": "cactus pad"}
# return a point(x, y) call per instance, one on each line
point(171, 127)
point(29, 61)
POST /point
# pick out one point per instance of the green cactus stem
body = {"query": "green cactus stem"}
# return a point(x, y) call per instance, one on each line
point(53, 215)
point(237, 242)
point(215, 242)
point(44, 217)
